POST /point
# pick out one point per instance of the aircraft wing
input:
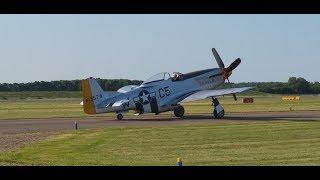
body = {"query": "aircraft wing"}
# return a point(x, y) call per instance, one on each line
point(213, 93)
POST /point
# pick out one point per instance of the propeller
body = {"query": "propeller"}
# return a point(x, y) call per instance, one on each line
point(217, 57)
point(234, 64)
point(226, 71)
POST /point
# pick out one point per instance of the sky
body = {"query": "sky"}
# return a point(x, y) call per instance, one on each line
point(67, 47)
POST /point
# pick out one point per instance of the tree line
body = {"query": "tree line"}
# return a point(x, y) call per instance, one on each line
point(292, 86)
point(65, 85)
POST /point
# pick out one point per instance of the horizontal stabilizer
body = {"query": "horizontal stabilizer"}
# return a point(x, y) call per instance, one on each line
point(127, 88)
point(119, 103)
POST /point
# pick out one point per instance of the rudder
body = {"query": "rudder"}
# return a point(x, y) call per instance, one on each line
point(92, 95)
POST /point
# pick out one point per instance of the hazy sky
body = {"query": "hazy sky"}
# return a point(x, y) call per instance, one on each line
point(55, 47)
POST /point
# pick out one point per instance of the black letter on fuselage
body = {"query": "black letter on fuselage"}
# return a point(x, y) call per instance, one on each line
point(164, 92)
point(161, 94)
point(168, 93)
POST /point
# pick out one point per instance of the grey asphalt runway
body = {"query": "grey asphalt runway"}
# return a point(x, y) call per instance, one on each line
point(60, 124)
point(17, 132)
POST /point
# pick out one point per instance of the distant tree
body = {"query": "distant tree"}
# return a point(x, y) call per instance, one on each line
point(315, 87)
point(299, 85)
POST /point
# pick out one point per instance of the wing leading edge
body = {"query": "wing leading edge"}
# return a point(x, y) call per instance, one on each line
point(213, 93)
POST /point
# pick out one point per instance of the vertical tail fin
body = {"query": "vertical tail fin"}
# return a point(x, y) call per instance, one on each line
point(92, 95)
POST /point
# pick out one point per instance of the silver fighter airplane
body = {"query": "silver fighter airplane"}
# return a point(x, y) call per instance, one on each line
point(162, 92)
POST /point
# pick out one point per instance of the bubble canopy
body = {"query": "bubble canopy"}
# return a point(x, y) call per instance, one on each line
point(157, 77)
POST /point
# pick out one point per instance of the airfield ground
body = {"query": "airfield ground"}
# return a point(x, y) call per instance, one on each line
point(41, 132)
point(20, 106)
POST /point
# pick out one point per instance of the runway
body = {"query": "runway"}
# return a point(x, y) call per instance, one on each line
point(60, 124)
point(17, 132)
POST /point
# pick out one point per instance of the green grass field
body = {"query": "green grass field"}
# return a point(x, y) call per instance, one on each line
point(39, 95)
point(67, 105)
point(242, 143)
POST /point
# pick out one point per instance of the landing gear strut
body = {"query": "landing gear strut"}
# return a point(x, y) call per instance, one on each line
point(179, 111)
point(218, 111)
point(119, 116)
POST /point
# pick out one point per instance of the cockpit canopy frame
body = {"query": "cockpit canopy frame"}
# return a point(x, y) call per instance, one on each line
point(176, 76)
point(157, 78)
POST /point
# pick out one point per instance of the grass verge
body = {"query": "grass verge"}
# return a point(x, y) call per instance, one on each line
point(240, 143)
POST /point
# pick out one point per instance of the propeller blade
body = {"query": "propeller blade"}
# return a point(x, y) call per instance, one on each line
point(234, 65)
point(217, 57)
point(234, 96)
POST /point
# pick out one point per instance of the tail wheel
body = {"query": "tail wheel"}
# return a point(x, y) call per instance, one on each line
point(179, 112)
point(119, 116)
point(218, 115)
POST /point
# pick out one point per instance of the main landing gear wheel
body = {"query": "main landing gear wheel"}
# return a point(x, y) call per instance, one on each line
point(179, 112)
point(119, 116)
point(218, 111)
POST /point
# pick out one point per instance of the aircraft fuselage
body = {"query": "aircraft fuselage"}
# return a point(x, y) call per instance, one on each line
point(153, 97)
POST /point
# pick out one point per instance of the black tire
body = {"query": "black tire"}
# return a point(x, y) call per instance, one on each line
point(179, 112)
point(119, 116)
point(218, 116)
